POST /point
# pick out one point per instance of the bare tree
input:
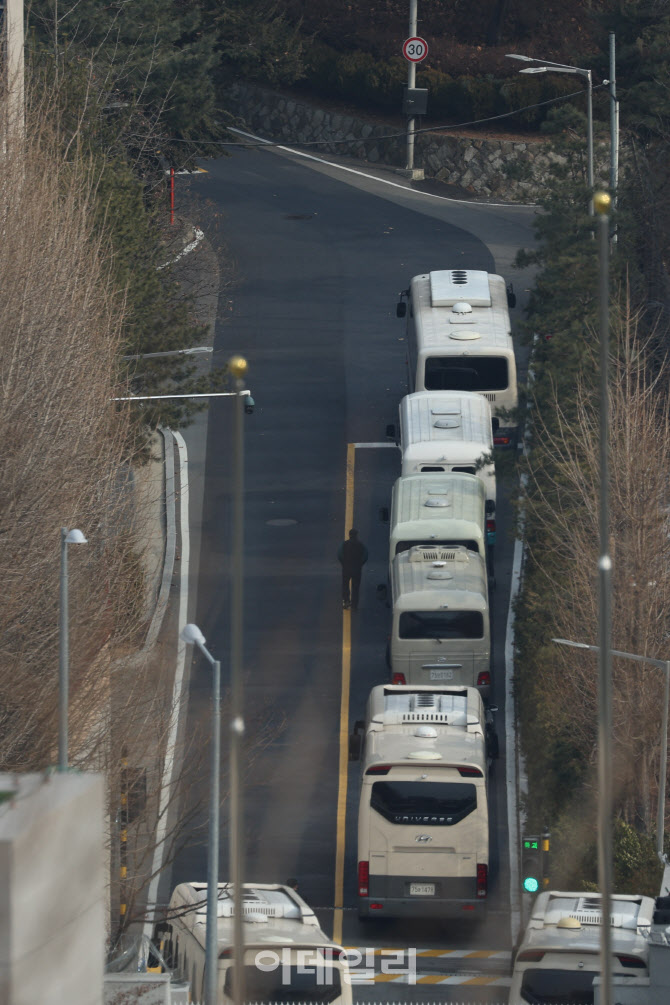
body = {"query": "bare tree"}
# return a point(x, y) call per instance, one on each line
point(562, 498)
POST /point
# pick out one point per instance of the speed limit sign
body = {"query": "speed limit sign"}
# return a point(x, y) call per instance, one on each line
point(415, 49)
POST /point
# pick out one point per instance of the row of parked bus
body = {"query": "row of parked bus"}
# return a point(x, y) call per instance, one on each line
point(427, 741)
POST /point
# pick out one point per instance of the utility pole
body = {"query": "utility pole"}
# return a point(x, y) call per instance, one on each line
point(614, 127)
point(411, 83)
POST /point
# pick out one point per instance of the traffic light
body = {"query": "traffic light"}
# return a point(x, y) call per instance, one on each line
point(531, 863)
point(545, 859)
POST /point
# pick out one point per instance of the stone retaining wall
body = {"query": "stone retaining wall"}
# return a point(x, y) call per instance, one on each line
point(510, 170)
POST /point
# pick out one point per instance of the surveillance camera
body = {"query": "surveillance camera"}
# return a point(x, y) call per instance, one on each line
point(249, 405)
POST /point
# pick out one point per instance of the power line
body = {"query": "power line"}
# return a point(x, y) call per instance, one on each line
point(389, 136)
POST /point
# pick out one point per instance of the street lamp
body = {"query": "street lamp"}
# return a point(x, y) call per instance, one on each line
point(173, 352)
point(663, 769)
point(66, 537)
point(192, 635)
point(547, 66)
point(237, 367)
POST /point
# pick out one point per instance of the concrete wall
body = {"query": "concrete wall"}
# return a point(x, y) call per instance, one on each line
point(510, 170)
point(52, 889)
point(14, 68)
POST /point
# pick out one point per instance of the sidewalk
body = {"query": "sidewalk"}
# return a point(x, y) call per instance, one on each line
point(151, 669)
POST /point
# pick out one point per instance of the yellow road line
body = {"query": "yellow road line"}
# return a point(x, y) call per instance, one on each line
point(434, 952)
point(344, 717)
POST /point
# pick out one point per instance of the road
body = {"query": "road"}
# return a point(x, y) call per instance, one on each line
point(319, 258)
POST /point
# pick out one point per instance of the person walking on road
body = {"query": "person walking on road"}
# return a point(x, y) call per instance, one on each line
point(352, 555)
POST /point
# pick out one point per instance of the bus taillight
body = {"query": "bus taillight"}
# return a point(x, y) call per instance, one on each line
point(482, 880)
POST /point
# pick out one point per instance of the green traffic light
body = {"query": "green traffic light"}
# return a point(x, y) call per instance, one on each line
point(531, 884)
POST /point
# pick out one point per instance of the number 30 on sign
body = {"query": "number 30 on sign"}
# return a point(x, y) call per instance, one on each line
point(415, 49)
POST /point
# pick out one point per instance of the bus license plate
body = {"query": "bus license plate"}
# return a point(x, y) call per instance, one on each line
point(441, 674)
point(422, 889)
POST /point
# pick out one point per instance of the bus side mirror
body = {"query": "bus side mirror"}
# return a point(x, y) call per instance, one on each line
point(384, 514)
point(490, 506)
point(382, 593)
point(495, 424)
point(390, 432)
point(400, 309)
point(356, 741)
point(511, 296)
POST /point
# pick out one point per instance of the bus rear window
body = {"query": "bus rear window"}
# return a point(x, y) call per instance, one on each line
point(440, 804)
point(441, 625)
point(288, 984)
point(472, 373)
point(557, 987)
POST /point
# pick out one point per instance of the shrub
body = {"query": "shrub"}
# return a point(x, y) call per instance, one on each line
point(373, 83)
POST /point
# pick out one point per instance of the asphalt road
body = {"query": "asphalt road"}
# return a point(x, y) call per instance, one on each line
point(319, 257)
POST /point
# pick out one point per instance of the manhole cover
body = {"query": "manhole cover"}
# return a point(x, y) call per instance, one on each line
point(281, 522)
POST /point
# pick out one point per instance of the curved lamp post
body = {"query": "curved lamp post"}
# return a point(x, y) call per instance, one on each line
point(547, 66)
point(663, 769)
point(192, 635)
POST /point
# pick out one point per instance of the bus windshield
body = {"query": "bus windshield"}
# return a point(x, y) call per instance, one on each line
point(472, 373)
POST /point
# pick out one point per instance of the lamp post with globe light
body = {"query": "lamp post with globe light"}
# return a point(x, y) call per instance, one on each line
point(237, 367)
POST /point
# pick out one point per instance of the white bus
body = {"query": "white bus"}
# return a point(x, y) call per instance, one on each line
point(442, 432)
point(287, 958)
point(459, 339)
point(440, 627)
point(423, 823)
point(559, 956)
point(444, 509)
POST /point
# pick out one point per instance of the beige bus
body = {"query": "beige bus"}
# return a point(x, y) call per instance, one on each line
point(444, 509)
point(559, 956)
point(459, 339)
point(287, 958)
point(440, 630)
point(423, 822)
point(442, 432)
